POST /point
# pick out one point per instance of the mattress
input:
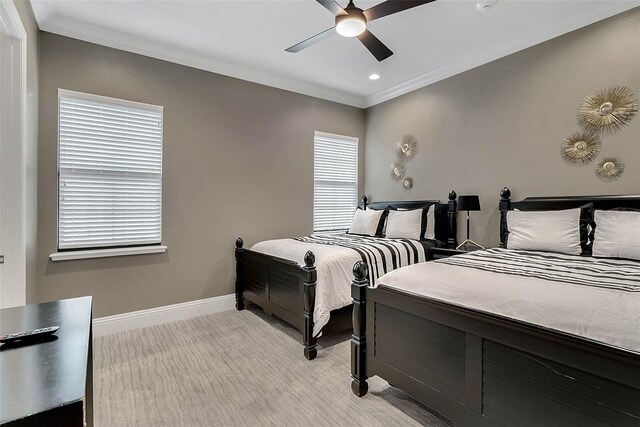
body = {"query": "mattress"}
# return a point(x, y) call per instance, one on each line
point(591, 298)
point(335, 256)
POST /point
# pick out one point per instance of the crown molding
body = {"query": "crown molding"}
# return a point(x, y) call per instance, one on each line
point(508, 47)
point(47, 19)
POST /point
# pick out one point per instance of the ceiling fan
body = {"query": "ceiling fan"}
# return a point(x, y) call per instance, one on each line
point(352, 22)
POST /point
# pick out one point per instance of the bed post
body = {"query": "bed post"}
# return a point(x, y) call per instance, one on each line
point(359, 384)
point(452, 241)
point(364, 202)
point(239, 284)
point(505, 206)
point(309, 341)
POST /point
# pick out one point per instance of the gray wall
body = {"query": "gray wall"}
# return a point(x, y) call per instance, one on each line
point(502, 124)
point(239, 156)
point(238, 161)
point(31, 146)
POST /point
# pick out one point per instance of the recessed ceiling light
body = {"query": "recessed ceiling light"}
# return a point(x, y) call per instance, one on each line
point(485, 5)
point(374, 76)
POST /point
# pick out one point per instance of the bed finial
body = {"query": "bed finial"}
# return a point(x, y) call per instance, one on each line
point(309, 259)
point(360, 271)
point(504, 206)
point(239, 242)
point(452, 195)
point(364, 201)
point(505, 193)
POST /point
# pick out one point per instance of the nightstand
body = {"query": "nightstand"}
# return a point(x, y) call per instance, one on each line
point(439, 253)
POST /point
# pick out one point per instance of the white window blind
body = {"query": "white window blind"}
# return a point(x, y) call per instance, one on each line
point(335, 193)
point(110, 172)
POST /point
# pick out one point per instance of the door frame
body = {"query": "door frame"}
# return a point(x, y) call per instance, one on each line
point(13, 162)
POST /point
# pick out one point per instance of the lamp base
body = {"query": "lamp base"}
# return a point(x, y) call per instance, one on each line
point(469, 245)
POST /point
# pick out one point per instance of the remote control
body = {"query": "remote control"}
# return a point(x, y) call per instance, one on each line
point(28, 335)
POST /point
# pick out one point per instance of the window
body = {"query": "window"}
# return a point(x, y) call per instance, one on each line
point(335, 174)
point(109, 172)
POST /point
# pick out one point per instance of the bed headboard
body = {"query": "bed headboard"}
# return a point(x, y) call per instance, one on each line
point(559, 202)
point(446, 226)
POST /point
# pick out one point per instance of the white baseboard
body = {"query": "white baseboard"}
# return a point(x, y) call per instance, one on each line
point(158, 315)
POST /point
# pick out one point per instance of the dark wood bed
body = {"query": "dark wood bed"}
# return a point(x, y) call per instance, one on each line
point(479, 369)
point(284, 289)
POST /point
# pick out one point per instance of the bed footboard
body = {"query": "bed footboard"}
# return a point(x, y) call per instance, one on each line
point(479, 369)
point(281, 287)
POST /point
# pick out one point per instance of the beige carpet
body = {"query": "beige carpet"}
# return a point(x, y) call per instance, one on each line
point(237, 368)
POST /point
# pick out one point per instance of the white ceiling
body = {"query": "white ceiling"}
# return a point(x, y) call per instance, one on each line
point(246, 39)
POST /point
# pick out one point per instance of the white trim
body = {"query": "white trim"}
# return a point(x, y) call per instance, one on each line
point(108, 100)
point(13, 282)
point(104, 253)
point(319, 134)
point(497, 51)
point(159, 315)
point(10, 19)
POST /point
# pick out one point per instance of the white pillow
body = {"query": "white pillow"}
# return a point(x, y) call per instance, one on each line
point(617, 234)
point(403, 224)
point(365, 222)
point(430, 233)
point(552, 231)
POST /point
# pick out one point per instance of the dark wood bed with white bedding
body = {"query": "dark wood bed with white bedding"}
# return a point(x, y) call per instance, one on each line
point(479, 367)
point(284, 288)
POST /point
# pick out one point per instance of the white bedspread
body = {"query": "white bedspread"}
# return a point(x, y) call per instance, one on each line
point(334, 265)
point(609, 316)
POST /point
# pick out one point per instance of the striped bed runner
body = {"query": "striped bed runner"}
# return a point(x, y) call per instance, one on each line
point(380, 254)
point(622, 275)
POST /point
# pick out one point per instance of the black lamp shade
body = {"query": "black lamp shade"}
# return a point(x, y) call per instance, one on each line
point(468, 203)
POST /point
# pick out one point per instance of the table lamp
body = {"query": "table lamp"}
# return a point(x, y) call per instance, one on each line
point(469, 203)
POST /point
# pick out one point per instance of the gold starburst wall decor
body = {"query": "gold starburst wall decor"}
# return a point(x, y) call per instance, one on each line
point(609, 169)
point(580, 148)
point(407, 183)
point(397, 170)
point(407, 147)
point(608, 110)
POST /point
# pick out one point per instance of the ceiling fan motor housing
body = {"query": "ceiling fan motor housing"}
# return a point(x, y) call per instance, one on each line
point(351, 24)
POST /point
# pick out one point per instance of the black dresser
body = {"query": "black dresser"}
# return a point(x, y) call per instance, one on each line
point(48, 383)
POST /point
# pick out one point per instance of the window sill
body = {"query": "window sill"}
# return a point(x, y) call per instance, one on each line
point(104, 253)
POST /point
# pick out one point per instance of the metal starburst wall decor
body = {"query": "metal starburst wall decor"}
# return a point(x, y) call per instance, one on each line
point(398, 170)
point(608, 110)
point(407, 147)
point(581, 148)
point(609, 169)
point(604, 112)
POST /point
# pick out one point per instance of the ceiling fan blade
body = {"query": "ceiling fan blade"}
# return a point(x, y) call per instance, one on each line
point(332, 6)
point(375, 46)
point(311, 40)
point(390, 7)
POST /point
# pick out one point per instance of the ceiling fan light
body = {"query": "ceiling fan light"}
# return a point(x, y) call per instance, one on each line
point(350, 25)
